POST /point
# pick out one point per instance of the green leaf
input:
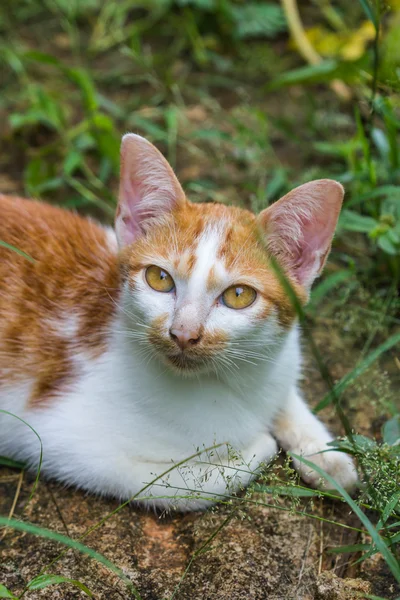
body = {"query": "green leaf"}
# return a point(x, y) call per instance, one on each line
point(102, 121)
point(107, 138)
point(347, 549)
point(379, 542)
point(323, 71)
point(276, 183)
point(384, 242)
point(79, 76)
point(42, 57)
point(72, 161)
point(66, 541)
point(4, 593)
point(394, 234)
point(352, 221)
point(17, 250)
point(39, 176)
point(381, 142)
point(31, 117)
point(358, 444)
point(287, 490)
point(372, 597)
point(327, 285)
point(200, 4)
point(12, 464)
point(391, 431)
point(390, 193)
point(357, 371)
point(258, 20)
point(43, 581)
point(52, 109)
point(389, 510)
point(172, 122)
point(395, 539)
point(85, 83)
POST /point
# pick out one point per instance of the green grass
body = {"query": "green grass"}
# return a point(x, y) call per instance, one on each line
point(243, 119)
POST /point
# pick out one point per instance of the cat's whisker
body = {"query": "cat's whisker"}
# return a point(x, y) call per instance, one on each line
point(250, 362)
point(245, 352)
point(227, 369)
point(144, 325)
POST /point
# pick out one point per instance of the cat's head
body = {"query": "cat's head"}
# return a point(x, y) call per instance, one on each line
point(202, 291)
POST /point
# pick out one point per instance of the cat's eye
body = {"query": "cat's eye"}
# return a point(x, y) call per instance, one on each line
point(239, 296)
point(159, 279)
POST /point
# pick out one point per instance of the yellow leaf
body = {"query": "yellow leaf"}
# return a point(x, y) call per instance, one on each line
point(345, 45)
point(357, 41)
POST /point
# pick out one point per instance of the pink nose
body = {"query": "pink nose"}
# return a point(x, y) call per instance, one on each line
point(183, 338)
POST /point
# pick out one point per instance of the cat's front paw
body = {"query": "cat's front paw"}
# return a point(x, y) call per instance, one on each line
point(338, 465)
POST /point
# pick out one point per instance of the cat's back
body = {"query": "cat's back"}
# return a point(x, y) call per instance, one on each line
point(58, 284)
point(41, 230)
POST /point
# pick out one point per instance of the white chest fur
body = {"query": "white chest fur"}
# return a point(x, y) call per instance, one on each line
point(125, 419)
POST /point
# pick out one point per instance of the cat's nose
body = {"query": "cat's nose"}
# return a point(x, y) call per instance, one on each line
point(184, 338)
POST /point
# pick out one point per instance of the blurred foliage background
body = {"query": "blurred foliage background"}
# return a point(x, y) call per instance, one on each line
point(246, 99)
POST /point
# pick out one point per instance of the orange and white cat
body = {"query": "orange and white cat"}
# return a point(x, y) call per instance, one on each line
point(129, 352)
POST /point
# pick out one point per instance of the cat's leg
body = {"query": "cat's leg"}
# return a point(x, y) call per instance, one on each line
point(209, 478)
point(300, 432)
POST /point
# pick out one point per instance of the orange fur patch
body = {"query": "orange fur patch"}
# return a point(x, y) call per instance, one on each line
point(212, 281)
point(57, 306)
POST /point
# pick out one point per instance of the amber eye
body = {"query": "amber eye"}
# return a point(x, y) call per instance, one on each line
point(159, 280)
point(239, 296)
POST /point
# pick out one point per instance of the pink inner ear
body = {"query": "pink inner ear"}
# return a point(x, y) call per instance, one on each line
point(300, 226)
point(129, 222)
point(311, 250)
point(148, 188)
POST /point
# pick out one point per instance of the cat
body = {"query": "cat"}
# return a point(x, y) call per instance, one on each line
point(161, 361)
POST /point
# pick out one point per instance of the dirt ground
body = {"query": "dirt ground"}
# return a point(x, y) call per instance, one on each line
point(262, 553)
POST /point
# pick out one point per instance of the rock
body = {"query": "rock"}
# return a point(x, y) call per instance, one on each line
point(331, 587)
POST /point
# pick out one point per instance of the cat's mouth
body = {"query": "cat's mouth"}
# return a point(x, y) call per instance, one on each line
point(190, 360)
point(185, 363)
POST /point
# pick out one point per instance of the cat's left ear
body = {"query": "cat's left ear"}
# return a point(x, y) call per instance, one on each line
point(299, 228)
point(148, 188)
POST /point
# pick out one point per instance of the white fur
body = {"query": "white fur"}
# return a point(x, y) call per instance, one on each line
point(129, 418)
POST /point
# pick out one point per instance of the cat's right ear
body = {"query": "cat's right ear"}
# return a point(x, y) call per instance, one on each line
point(148, 188)
point(299, 227)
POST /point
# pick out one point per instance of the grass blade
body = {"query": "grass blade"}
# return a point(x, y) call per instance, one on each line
point(5, 593)
point(43, 581)
point(286, 491)
point(17, 251)
point(357, 371)
point(40, 456)
point(349, 549)
point(389, 509)
point(327, 285)
point(367, 8)
point(12, 464)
